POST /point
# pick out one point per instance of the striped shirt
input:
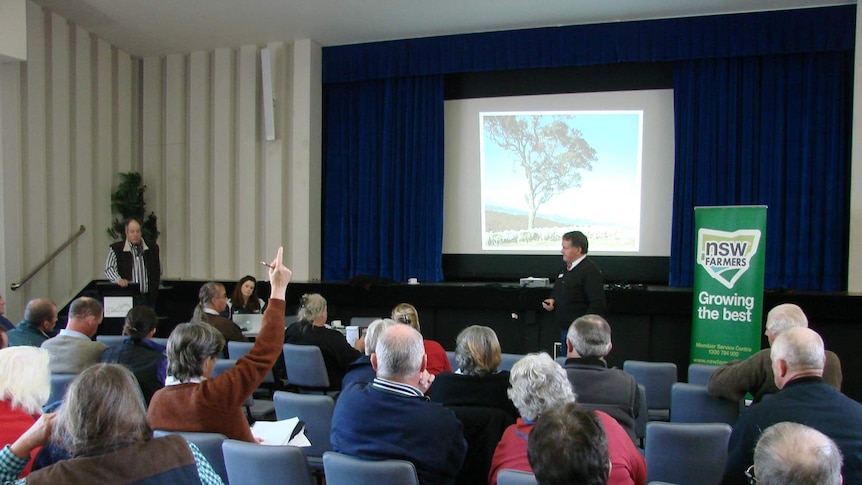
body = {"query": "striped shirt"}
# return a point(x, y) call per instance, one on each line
point(386, 385)
point(139, 269)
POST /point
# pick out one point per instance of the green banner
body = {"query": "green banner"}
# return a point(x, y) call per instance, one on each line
point(728, 283)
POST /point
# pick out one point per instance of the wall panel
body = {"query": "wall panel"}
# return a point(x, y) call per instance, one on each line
point(199, 255)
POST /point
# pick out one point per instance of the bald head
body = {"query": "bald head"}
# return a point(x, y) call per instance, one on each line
point(797, 352)
point(399, 354)
point(784, 317)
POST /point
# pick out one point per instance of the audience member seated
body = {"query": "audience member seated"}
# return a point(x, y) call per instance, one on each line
point(476, 382)
point(5, 324)
point(4, 340)
point(190, 400)
point(244, 298)
point(754, 374)
point(568, 445)
point(539, 385)
point(145, 358)
point(390, 418)
point(438, 361)
point(24, 389)
point(40, 317)
point(360, 370)
point(794, 454)
point(103, 425)
point(797, 363)
point(311, 330)
point(212, 300)
point(74, 349)
point(611, 390)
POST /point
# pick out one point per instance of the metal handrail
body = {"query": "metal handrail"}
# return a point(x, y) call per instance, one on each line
point(53, 255)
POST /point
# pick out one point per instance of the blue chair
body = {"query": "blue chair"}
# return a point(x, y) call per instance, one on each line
point(253, 464)
point(237, 350)
point(642, 417)
point(346, 470)
point(657, 379)
point(254, 408)
point(59, 384)
point(452, 362)
point(686, 453)
point(210, 445)
point(316, 411)
point(111, 340)
point(508, 361)
point(515, 477)
point(690, 403)
point(305, 367)
point(699, 373)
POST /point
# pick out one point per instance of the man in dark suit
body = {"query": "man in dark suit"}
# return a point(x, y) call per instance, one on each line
point(579, 288)
point(133, 261)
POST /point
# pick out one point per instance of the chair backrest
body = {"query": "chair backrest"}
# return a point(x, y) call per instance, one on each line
point(222, 365)
point(253, 464)
point(508, 361)
point(59, 384)
point(657, 379)
point(290, 320)
point(450, 354)
point(686, 453)
point(515, 477)
point(237, 350)
point(315, 410)
point(699, 373)
point(305, 366)
point(111, 340)
point(363, 321)
point(209, 444)
point(346, 470)
point(690, 403)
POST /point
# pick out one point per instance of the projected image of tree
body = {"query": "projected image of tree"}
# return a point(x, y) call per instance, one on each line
point(550, 152)
point(544, 174)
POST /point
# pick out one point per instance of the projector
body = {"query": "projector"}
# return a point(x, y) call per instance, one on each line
point(534, 282)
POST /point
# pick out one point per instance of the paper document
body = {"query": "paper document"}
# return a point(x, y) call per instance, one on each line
point(285, 432)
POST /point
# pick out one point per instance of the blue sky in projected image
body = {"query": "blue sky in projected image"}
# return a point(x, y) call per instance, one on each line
point(609, 194)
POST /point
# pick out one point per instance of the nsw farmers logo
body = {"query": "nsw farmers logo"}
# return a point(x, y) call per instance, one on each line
point(726, 256)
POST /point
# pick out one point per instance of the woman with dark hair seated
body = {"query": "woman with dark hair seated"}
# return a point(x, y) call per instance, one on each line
point(145, 358)
point(103, 425)
point(476, 382)
point(244, 298)
point(311, 330)
point(190, 400)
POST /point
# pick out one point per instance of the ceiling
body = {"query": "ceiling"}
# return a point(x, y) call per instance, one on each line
point(158, 27)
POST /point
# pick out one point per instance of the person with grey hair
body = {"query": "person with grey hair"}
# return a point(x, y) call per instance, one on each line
point(391, 418)
point(73, 349)
point(40, 317)
point(798, 358)
point(193, 401)
point(24, 388)
point(476, 382)
point(212, 301)
point(360, 370)
point(540, 385)
point(311, 329)
point(103, 425)
point(794, 454)
point(600, 387)
point(735, 379)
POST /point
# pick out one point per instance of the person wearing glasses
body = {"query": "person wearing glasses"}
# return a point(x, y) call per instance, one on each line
point(212, 301)
point(794, 454)
point(797, 362)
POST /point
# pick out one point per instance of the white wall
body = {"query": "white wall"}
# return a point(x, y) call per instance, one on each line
point(79, 111)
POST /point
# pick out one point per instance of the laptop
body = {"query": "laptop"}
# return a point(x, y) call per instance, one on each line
point(248, 322)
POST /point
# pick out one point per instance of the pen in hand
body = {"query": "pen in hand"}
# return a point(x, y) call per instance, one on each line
point(267, 265)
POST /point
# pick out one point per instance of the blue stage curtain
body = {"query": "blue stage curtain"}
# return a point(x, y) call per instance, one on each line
point(768, 130)
point(383, 196)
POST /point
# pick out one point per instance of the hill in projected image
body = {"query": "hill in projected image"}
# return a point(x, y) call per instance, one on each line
point(547, 173)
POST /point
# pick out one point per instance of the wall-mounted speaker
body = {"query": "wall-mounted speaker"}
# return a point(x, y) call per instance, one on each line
point(267, 99)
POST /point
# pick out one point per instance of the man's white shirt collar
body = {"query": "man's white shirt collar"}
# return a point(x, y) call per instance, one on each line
point(575, 262)
point(128, 246)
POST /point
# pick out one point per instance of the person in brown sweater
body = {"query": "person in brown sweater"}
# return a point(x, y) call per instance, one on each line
point(190, 401)
point(212, 301)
